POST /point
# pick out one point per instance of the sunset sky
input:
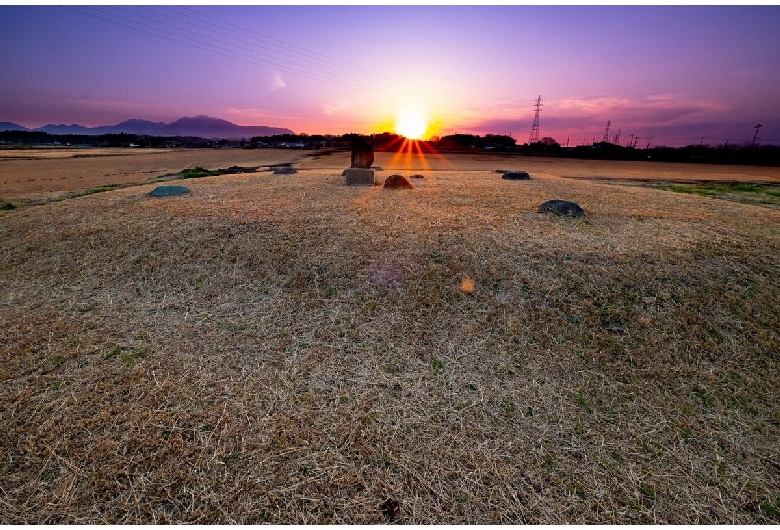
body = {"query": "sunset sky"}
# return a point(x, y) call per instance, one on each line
point(668, 74)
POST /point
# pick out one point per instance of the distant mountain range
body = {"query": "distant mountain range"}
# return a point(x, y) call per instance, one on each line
point(203, 126)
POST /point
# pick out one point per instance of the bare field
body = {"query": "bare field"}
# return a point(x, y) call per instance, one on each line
point(36, 175)
point(48, 153)
point(288, 349)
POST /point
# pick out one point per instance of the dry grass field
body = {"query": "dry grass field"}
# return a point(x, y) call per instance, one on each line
point(288, 349)
point(38, 175)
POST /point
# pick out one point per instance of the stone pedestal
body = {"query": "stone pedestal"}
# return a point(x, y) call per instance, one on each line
point(358, 176)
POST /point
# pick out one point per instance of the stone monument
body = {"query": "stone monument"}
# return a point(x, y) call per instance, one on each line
point(360, 173)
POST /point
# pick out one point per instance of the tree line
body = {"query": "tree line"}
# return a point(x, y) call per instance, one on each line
point(763, 155)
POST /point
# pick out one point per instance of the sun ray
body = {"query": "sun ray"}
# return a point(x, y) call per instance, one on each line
point(423, 160)
point(403, 155)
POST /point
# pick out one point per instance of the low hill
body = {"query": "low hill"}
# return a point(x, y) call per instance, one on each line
point(203, 126)
point(10, 126)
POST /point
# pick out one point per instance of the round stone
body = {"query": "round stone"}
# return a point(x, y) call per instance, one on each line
point(560, 207)
point(516, 175)
point(397, 182)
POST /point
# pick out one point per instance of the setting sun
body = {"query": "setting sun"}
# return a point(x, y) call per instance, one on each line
point(411, 124)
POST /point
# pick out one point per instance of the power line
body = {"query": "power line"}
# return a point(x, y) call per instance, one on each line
point(308, 67)
point(327, 58)
point(287, 46)
point(344, 47)
point(148, 32)
point(226, 52)
point(294, 54)
point(231, 48)
point(293, 29)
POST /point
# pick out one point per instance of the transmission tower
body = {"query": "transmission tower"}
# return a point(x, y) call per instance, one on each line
point(616, 140)
point(606, 132)
point(535, 128)
point(757, 127)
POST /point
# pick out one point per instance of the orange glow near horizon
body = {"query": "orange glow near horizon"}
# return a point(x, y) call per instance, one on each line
point(408, 151)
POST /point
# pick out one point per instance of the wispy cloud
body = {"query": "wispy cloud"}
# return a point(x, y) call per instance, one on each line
point(661, 108)
point(276, 81)
point(333, 108)
point(575, 114)
point(86, 100)
point(250, 113)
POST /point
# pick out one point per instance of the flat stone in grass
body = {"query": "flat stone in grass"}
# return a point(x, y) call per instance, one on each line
point(397, 182)
point(560, 207)
point(285, 170)
point(169, 191)
point(516, 175)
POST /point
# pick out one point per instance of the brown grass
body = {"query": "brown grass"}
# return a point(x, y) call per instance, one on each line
point(287, 349)
point(37, 175)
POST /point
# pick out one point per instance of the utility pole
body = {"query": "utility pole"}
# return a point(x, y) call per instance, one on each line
point(535, 127)
point(606, 132)
point(757, 127)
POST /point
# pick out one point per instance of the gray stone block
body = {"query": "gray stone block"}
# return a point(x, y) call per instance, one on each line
point(359, 176)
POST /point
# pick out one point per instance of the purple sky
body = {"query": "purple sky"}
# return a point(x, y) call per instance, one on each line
point(668, 74)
